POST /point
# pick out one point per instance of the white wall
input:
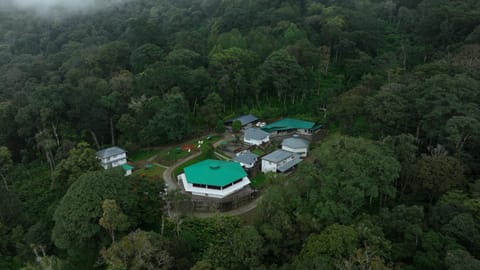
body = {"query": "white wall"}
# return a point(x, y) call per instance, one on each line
point(118, 160)
point(252, 142)
point(301, 151)
point(256, 142)
point(214, 193)
point(268, 166)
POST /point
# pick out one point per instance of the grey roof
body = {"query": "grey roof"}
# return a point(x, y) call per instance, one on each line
point(246, 157)
point(287, 166)
point(244, 119)
point(295, 143)
point(278, 155)
point(255, 134)
point(111, 151)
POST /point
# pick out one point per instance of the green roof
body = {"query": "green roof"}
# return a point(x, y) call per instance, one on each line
point(127, 167)
point(214, 172)
point(289, 123)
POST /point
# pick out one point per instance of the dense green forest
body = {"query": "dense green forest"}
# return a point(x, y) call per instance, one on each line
point(394, 185)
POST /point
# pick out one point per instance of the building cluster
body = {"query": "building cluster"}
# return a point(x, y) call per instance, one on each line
point(218, 179)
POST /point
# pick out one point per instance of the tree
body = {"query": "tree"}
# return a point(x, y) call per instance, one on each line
point(282, 73)
point(113, 219)
point(170, 123)
point(461, 260)
point(354, 172)
point(211, 110)
point(145, 55)
point(461, 129)
point(438, 173)
point(236, 126)
point(138, 250)
point(243, 250)
point(6, 164)
point(219, 127)
point(76, 217)
point(335, 241)
point(81, 159)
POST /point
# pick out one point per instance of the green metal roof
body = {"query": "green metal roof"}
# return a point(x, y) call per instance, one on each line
point(214, 172)
point(127, 167)
point(289, 123)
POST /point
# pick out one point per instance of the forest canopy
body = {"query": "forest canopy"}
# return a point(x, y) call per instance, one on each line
point(394, 185)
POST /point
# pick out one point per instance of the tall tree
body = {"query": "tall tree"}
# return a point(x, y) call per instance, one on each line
point(113, 219)
point(6, 164)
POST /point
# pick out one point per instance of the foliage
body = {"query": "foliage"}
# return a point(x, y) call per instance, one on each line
point(76, 218)
point(138, 250)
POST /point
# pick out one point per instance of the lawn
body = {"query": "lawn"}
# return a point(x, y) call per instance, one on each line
point(171, 154)
point(154, 172)
point(258, 152)
point(143, 154)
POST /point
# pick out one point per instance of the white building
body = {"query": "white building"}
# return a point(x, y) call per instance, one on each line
point(255, 136)
point(246, 159)
point(112, 157)
point(296, 145)
point(279, 160)
point(214, 178)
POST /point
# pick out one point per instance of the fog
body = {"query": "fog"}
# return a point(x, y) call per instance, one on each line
point(46, 7)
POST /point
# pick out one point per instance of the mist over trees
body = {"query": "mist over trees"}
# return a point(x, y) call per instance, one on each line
point(394, 185)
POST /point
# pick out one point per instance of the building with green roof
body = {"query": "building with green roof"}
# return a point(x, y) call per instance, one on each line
point(214, 178)
point(288, 125)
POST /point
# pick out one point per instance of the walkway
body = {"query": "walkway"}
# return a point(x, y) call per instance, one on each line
point(167, 174)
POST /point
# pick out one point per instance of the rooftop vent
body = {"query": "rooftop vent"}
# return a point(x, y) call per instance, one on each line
point(214, 167)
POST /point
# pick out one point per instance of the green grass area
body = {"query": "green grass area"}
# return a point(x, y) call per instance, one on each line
point(143, 154)
point(170, 155)
point(258, 152)
point(259, 180)
point(154, 172)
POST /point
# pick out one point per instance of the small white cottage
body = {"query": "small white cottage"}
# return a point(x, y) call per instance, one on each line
point(246, 159)
point(296, 145)
point(255, 136)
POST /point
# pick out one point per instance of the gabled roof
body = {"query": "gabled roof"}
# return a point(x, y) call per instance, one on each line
point(295, 143)
point(111, 151)
point(255, 134)
point(290, 123)
point(244, 119)
point(278, 156)
point(246, 157)
point(214, 172)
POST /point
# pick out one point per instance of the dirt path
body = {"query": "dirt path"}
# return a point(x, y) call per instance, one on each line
point(167, 174)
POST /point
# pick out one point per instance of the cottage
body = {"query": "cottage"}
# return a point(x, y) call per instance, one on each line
point(291, 125)
point(296, 145)
point(245, 120)
point(280, 160)
point(255, 136)
point(214, 178)
point(246, 159)
point(112, 157)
